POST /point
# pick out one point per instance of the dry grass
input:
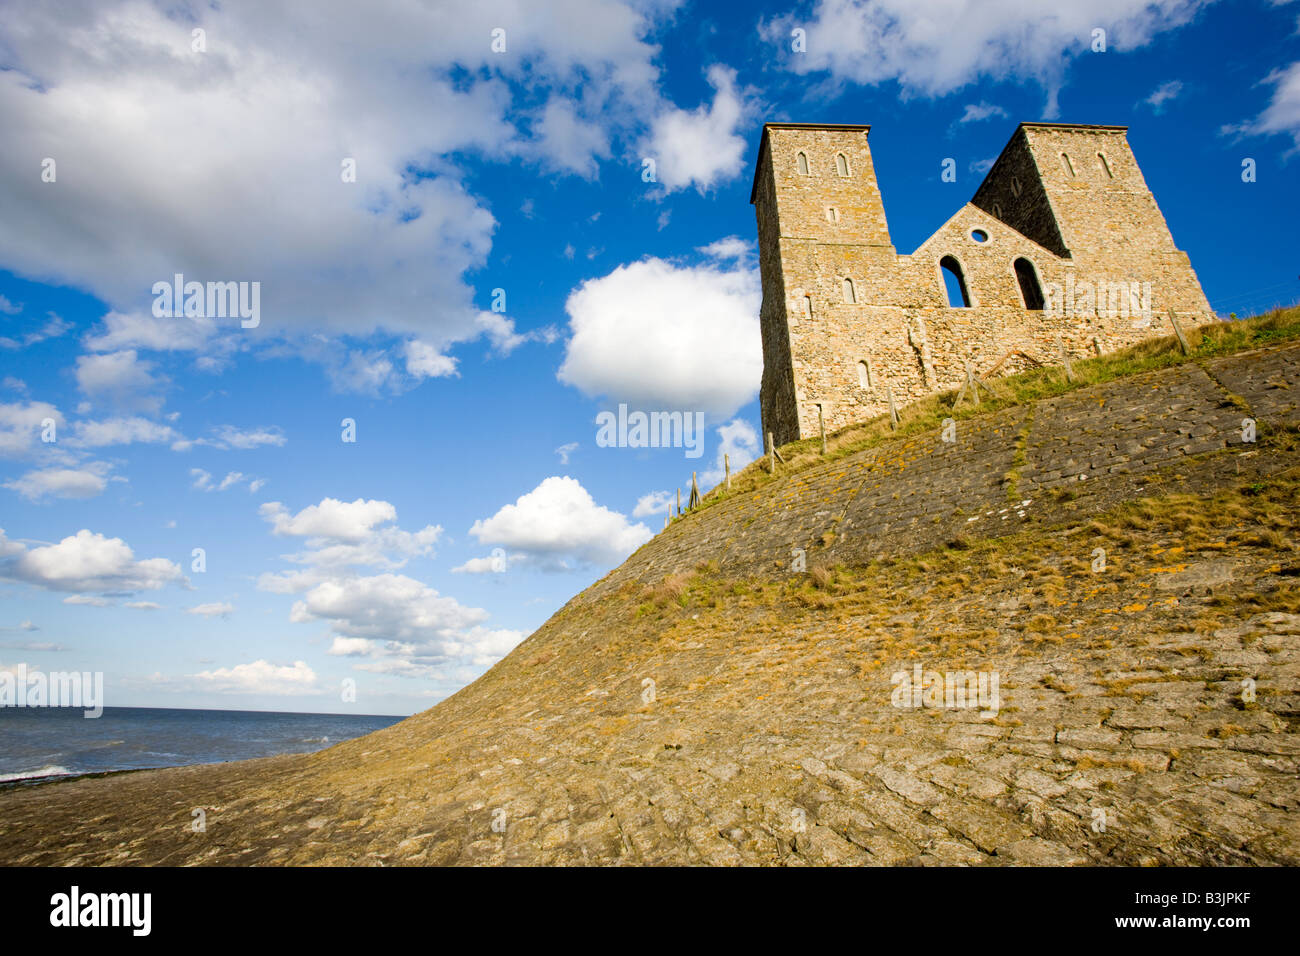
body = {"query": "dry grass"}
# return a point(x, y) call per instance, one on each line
point(668, 591)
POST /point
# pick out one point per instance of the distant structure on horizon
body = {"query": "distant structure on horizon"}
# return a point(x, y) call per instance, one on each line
point(1062, 246)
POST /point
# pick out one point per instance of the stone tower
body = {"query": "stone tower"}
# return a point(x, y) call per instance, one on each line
point(1063, 245)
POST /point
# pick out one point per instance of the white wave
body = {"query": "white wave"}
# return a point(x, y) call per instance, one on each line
point(47, 771)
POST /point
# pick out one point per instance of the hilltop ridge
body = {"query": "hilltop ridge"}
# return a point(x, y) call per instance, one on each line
point(715, 700)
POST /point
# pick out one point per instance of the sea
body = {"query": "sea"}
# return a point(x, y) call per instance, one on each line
point(44, 742)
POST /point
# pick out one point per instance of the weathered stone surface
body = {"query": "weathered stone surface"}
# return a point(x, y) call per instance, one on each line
point(1070, 201)
point(774, 738)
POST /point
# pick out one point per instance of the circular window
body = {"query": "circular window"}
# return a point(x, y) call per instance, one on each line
point(979, 235)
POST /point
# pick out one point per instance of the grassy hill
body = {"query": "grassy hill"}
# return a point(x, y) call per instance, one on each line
point(1119, 551)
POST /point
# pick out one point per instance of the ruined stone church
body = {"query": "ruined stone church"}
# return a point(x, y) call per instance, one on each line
point(1062, 248)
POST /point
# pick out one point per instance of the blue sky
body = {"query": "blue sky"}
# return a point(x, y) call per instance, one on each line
point(475, 501)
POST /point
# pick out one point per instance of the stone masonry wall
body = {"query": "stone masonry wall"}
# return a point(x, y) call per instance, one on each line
point(846, 319)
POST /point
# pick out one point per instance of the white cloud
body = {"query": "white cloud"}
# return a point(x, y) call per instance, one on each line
point(260, 677)
point(702, 147)
point(1282, 114)
point(401, 626)
point(933, 47)
point(385, 607)
point(341, 533)
point(203, 481)
point(91, 600)
point(1163, 94)
point(738, 440)
point(143, 330)
point(232, 478)
point(54, 327)
point(212, 609)
point(82, 482)
point(489, 564)
point(8, 308)
point(569, 143)
point(226, 437)
point(501, 332)
point(121, 431)
point(426, 361)
point(121, 378)
point(20, 426)
point(347, 521)
point(365, 371)
point(391, 623)
point(143, 605)
point(662, 336)
point(350, 646)
point(654, 503)
point(565, 450)
point(85, 562)
point(89, 80)
point(978, 112)
point(731, 248)
point(558, 522)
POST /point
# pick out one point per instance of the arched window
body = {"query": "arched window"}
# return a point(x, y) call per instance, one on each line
point(802, 160)
point(806, 304)
point(1069, 166)
point(1030, 289)
point(1105, 164)
point(997, 211)
point(850, 294)
point(954, 283)
point(864, 373)
point(1015, 187)
point(841, 164)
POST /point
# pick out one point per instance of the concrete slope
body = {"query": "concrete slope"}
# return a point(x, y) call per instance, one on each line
point(706, 704)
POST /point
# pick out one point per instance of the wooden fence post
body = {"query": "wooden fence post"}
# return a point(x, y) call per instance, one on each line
point(726, 463)
point(1178, 331)
point(893, 409)
point(821, 426)
point(969, 387)
point(771, 455)
point(1065, 360)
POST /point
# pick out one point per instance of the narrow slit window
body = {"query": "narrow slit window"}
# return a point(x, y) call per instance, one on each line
point(1015, 187)
point(832, 214)
point(1105, 164)
point(841, 164)
point(997, 211)
point(1030, 288)
point(802, 161)
point(954, 283)
point(850, 294)
point(864, 373)
point(1069, 166)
